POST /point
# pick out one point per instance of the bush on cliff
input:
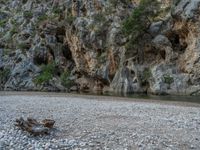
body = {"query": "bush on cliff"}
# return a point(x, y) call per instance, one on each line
point(4, 75)
point(47, 73)
point(65, 80)
point(136, 25)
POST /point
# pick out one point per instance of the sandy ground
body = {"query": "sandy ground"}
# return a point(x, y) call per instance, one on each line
point(106, 122)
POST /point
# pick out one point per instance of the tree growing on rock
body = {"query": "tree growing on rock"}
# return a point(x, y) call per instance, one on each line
point(137, 24)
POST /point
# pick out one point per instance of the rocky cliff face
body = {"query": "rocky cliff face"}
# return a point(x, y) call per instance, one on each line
point(66, 45)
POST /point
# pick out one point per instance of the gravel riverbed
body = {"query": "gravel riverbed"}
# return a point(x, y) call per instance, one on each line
point(92, 122)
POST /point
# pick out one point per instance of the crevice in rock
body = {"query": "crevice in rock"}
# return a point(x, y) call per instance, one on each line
point(84, 10)
point(178, 41)
point(40, 59)
point(52, 53)
point(60, 34)
point(67, 52)
point(163, 54)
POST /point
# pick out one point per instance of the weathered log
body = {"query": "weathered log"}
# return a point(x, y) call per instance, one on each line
point(48, 123)
point(34, 127)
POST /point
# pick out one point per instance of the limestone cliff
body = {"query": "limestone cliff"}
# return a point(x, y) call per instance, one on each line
point(67, 45)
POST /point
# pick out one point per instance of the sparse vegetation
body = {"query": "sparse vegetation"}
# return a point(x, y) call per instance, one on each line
point(65, 81)
point(99, 18)
point(28, 14)
point(14, 22)
point(70, 19)
point(3, 2)
point(7, 51)
point(42, 18)
point(23, 46)
point(57, 10)
point(137, 24)
point(13, 30)
point(3, 23)
point(24, 1)
point(168, 79)
point(4, 75)
point(114, 3)
point(102, 57)
point(146, 75)
point(47, 73)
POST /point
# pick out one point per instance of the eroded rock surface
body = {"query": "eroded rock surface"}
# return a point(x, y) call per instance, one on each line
point(84, 42)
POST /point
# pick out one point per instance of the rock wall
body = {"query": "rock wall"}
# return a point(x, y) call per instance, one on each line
point(181, 65)
point(84, 41)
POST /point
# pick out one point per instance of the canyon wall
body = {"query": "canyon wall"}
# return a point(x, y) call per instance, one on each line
point(78, 45)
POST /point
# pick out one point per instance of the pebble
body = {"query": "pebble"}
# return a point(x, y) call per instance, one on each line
point(2, 144)
point(107, 138)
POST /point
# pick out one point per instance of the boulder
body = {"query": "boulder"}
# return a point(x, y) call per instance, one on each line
point(186, 9)
point(22, 72)
point(167, 79)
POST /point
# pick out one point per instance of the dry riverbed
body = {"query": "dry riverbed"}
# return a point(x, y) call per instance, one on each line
point(92, 122)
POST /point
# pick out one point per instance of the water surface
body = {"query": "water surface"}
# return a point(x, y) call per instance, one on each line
point(176, 98)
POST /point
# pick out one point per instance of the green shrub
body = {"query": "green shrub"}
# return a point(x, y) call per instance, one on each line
point(42, 17)
point(168, 79)
point(136, 25)
point(3, 23)
point(4, 75)
point(13, 30)
point(114, 2)
point(3, 1)
point(65, 81)
point(57, 10)
point(146, 75)
point(99, 18)
point(70, 19)
point(28, 14)
point(7, 51)
point(23, 46)
point(14, 22)
point(47, 73)
point(24, 1)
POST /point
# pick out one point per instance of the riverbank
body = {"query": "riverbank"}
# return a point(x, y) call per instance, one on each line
point(99, 122)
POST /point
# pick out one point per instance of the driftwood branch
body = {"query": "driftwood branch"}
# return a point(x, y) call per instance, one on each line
point(34, 127)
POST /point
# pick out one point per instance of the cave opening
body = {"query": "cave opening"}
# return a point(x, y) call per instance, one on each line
point(39, 60)
point(60, 37)
point(178, 41)
point(40, 56)
point(163, 54)
point(60, 34)
point(52, 53)
point(67, 52)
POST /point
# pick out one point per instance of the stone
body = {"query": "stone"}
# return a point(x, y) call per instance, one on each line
point(125, 82)
point(155, 28)
point(3, 15)
point(161, 40)
point(186, 9)
point(74, 88)
point(2, 144)
point(178, 85)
